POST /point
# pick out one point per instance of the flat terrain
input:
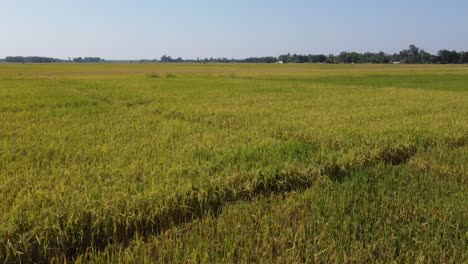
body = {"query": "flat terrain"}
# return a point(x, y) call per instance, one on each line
point(217, 163)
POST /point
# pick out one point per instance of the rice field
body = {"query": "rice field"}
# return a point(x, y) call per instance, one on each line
point(233, 163)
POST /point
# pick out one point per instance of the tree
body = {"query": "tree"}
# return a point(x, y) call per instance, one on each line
point(79, 60)
point(92, 59)
point(449, 57)
point(331, 59)
point(425, 57)
point(464, 57)
point(165, 58)
point(33, 59)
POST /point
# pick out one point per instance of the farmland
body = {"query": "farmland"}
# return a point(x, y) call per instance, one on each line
point(219, 163)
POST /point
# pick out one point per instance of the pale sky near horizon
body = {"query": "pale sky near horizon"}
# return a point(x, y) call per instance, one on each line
point(126, 29)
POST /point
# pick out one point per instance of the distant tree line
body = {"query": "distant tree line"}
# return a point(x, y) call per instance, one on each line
point(412, 55)
point(33, 59)
point(37, 59)
point(87, 59)
point(165, 58)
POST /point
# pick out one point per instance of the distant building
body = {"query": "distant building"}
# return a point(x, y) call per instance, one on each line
point(279, 62)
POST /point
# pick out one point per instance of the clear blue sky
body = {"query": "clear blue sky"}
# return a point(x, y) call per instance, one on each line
point(135, 29)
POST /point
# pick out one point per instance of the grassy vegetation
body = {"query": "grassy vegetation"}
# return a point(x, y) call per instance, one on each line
point(238, 163)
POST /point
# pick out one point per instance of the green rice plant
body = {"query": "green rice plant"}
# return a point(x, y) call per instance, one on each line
point(338, 163)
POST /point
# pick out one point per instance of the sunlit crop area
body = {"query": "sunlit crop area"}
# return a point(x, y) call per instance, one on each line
point(219, 163)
